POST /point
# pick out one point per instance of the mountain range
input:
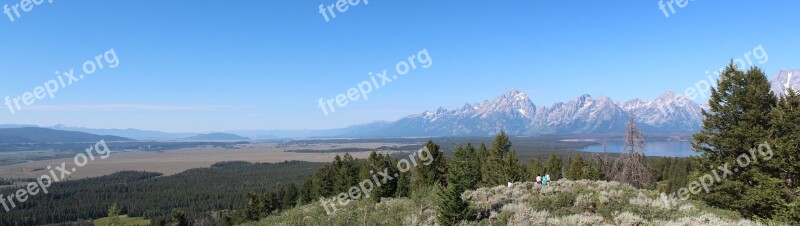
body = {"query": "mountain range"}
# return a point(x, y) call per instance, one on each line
point(45, 135)
point(513, 112)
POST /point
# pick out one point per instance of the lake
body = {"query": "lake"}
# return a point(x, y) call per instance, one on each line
point(652, 148)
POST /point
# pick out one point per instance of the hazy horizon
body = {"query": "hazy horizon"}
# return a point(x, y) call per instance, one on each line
point(219, 66)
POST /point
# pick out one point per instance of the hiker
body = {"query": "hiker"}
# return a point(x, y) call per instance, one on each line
point(545, 179)
point(538, 179)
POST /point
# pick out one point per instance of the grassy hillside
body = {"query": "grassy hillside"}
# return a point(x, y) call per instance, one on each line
point(124, 221)
point(563, 202)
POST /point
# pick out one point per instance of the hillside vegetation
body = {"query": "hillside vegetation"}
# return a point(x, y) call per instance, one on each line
point(562, 202)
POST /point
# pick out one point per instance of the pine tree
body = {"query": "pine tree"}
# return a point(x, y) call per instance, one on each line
point(785, 135)
point(403, 184)
point(375, 165)
point(306, 191)
point(291, 196)
point(113, 215)
point(253, 208)
point(576, 168)
point(501, 165)
point(432, 174)
point(451, 208)
point(179, 218)
point(553, 167)
point(739, 121)
point(501, 144)
point(464, 169)
point(535, 168)
point(347, 174)
point(513, 170)
point(324, 181)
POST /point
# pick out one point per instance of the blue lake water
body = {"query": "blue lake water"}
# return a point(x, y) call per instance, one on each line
point(652, 148)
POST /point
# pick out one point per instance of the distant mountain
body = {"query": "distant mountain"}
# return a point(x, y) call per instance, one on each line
point(784, 79)
point(45, 135)
point(9, 126)
point(670, 112)
point(130, 133)
point(218, 137)
point(515, 113)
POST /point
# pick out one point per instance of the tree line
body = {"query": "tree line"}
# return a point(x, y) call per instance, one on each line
point(469, 167)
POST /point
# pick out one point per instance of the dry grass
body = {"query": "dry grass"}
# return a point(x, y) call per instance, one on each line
point(175, 161)
point(560, 203)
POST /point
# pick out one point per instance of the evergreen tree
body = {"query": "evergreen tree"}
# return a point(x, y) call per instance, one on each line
point(501, 144)
point(253, 208)
point(553, 167)
point(513, 170)
point(347, 173)
point(576, 168)
point(374, 166)
point(325, 181)
point(179, 218)
point(483, 156)
point(501, 167)
point(113, 215)
point(432, 174)
point(739, 121)
point(306, 191)
point(785, 135)
point(403, 184)
point(452, 209)
point(535, 168)
point(291, 196)
point(463, 170)
point(593, 172)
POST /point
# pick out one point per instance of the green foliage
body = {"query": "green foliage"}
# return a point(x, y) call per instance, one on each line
point(535, 168)
point(553, 167)
point(452, 209)
point(434, 173)
point(306, 191)
point(744, 114)
point(376, 165)
point(179, 218)
point(122, 220)
point(153, 196)
point(113, 215)
point(464, 169)
point(582, 170)
point(501, 164)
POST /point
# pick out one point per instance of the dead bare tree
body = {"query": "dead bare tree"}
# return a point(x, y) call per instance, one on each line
point(607, 164)
point(631, 162)
point(630, 165)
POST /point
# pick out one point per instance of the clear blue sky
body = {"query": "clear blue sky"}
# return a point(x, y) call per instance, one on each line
point(196, 66)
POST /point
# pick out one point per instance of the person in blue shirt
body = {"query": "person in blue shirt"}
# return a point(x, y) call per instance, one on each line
point(545, 179)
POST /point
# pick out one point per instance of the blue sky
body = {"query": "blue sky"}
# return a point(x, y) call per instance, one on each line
point(194, 66)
